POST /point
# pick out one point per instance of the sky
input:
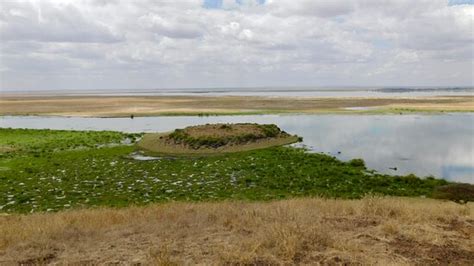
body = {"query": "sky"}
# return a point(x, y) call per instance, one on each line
point(145, 44)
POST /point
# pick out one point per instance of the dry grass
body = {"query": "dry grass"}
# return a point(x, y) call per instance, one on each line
point(384, 231)
point(223, 130)
point(114, 106)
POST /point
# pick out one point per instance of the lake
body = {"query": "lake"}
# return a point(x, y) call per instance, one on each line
point(437, 145)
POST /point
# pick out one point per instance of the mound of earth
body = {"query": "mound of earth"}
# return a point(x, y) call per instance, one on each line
point(215, 138)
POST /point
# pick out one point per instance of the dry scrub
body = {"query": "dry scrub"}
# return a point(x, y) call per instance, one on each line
point(373, 230)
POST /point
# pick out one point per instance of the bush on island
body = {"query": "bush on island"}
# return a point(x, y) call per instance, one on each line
point(357, 163)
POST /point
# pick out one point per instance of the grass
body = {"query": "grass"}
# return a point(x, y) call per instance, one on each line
point(369, 231)
point(43, 142)
point(74, 176)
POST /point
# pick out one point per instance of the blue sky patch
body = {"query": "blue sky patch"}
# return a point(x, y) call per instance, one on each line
point(382, 44)
point(212, 3)
point(460, 2)
point(458, 172)
point(261, 2)
point(217, 4)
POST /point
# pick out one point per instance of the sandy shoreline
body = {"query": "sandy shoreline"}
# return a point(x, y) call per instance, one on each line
point(124, 106)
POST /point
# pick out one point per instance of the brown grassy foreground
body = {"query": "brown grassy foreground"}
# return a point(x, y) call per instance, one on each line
point(116, 106)
point(383, 231)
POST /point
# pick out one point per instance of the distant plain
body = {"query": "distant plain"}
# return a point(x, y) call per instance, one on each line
point(123, 106)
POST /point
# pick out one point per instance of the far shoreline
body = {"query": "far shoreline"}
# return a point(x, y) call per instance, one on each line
point(145, 106)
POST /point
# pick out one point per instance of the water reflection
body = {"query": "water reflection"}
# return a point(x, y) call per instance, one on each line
point(438, 145)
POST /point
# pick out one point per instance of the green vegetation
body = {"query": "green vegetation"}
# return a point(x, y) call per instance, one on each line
point(214, 136)
point(43, 142)
point(460, 193)
point(65, 175)
point(357, 163)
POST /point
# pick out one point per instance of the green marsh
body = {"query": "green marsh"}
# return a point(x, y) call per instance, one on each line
point(47, 170)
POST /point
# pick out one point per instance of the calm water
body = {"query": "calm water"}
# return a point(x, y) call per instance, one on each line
point(438, 145)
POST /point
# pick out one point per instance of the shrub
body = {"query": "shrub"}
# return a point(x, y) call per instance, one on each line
point(225, 126)
point(357, 163)
point(270, 130)
point(459, 193)
point(181, 136)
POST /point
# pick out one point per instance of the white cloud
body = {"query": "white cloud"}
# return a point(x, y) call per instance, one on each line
point(44, 22)
point(171, 27)
point(152, 44)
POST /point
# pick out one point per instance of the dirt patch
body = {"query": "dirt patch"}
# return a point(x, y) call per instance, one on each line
point(425, 253)
point(5, 149)
point(42, 260)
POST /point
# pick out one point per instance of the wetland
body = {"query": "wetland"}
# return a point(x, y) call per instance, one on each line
point(438, 145)
point(49, 170)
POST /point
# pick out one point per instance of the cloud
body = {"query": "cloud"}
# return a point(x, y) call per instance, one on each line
point(192, 43)
point(171, 27)
point(23, 21)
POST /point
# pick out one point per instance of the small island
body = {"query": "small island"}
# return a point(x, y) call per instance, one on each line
point(216, 138)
